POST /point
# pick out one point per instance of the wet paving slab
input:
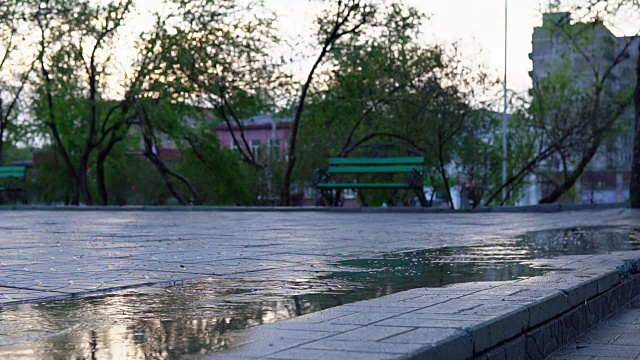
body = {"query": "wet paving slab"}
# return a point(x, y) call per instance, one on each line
point(207, 314)
point(616, 337)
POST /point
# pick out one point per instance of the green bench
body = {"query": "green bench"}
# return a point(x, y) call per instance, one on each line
point(413, 167)
point(12, 183)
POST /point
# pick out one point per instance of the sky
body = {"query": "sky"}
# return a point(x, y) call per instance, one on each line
point(477, 25)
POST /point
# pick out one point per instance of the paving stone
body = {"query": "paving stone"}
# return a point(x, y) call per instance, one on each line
point(362, 318)
point(408, 306)
point(429, 323)
point(590, 357)
point(628, 316)
point(477, 286)
point(607, 281)
point(370, 333)
point(455, 306)
point(445, 343)
point(103, 251)
point(363, 346)
point(632, 351)
point(324, 316)
point(372, 308)
point(617, 336)
point(272, 333)
point(500, 292)
point(573, 324)
point(431, 299)
point(305, 354)
point(612, 301)
point(612, 346)
point(498, 329)
point(581, 292)
point(261, 348)
point(306, 326)
point(547, 307)
point(594, 311)
point(544, 340)
point(514, 350)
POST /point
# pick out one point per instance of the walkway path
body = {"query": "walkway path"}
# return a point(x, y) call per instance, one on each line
point(46, 255)
point(617, 337)
point(55, 254)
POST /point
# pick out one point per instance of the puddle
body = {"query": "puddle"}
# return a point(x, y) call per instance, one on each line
point(202, 317)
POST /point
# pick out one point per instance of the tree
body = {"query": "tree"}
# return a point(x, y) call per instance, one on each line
point(635, 167)
point(611, 9)
point(217, 56)
point(343, 19)
point(479, 155)
point(392, 90)
point(573, 109)
point(549, 130)
point(16, 72)
point(604, 57)
point(604, 105)
point(437, 110)
point(73, 60)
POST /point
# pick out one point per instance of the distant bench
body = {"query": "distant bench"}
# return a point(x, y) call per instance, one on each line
point(412, 166)
point(12, 184)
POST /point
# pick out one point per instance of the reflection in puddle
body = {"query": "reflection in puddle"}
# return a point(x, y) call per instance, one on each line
point(202, 317)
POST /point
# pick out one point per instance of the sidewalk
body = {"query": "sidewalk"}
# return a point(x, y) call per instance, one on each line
point(617, 337)
point(52, 255)
point(48, 255)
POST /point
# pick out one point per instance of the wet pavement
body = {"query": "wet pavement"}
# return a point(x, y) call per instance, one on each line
point(246, 269)
point(617, 337)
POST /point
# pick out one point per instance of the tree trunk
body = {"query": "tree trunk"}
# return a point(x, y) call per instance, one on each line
point(575, 174)
point(83, 179)
point(443, 173)
point(102, 187)
point(150, 153)
point(268, 178)
point(433, 192)
point(162, 169)
point(165, 172)
point(100, 177)
point(2, 126)
point(285, 194)
point(51, 123)
point(1, 149)
point(422, 197)
point(635, 166)
point(598, 136)
point(89, 143)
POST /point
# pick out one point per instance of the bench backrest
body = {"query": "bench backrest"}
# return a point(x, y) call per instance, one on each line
point(376, 165)
point(12, 171)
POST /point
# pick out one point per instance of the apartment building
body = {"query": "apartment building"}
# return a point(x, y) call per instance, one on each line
point(608, 174)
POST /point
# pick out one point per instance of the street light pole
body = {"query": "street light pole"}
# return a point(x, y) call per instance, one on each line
point(504, 112)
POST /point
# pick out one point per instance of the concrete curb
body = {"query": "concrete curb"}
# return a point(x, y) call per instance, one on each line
point(522, 319)
point(545, 208)
point(543, 340)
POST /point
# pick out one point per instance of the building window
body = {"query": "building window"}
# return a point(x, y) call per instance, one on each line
point(233, 145)
point(274, 148)
point(255, 147)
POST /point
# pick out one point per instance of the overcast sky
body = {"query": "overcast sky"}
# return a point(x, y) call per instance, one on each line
point(478, 25)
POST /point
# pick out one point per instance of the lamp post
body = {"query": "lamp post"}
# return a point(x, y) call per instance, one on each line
point(504, 112)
